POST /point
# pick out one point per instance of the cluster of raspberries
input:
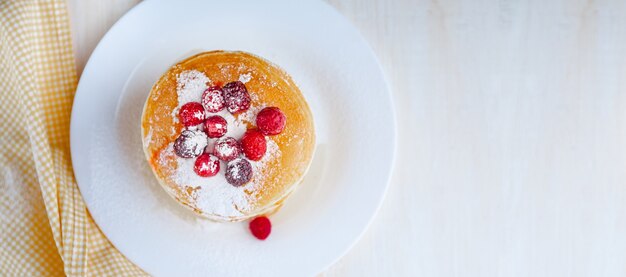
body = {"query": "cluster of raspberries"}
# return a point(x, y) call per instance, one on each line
point(192, 142)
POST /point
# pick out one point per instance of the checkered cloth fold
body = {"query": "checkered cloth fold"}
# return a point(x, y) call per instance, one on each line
point(45, 229)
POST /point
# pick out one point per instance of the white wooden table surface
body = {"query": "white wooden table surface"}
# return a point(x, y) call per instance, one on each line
point(512, 139)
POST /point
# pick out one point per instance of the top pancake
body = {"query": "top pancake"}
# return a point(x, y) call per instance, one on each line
point(273, 179)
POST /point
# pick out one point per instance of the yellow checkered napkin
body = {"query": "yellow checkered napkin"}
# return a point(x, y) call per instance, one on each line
point(45, 229)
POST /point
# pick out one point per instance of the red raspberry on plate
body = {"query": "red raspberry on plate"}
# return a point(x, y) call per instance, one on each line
point(261, 227)
point(206, 165)
point(236, 97)
point(213, 99)
point(191, 114)
point(226, 149)
point(253, 144)
point(238, 172)
point(215, 126)
point(271, 121)
point(190, 143)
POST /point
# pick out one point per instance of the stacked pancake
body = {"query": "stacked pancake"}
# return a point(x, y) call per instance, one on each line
point(227, 134)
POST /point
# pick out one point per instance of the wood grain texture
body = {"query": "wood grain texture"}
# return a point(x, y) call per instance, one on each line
point(512, 119)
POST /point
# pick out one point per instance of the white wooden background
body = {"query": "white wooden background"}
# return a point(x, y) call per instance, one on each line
point(512, 140)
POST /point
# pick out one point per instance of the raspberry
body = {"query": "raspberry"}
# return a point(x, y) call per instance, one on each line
point(215, 126)
point(236, 97)
point(261, 227)
point(207, 165)
point(190, 144)
point(238, 172)
point(253, 145)
point(191, 114)
point(226, 149)
point(213, 99)
point(271, 121)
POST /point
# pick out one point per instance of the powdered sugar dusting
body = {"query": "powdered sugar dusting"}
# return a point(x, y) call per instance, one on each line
point(244, 78)
point(260, 167)
point(250, 114)
point(148, 138)
point(214, 195)
point(190, 85)
point(225, 149)
point(236, 128)
point(190, 143)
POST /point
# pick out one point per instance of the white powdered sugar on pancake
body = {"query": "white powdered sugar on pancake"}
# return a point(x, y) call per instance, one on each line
point(235, 127)
point(214, 195)
point(148, 138)
point(259, 168)
point(190, 85)
point(250, 115)
point(244, 78)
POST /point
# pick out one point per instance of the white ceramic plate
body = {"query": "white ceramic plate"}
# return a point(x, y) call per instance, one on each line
point(354, 120)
